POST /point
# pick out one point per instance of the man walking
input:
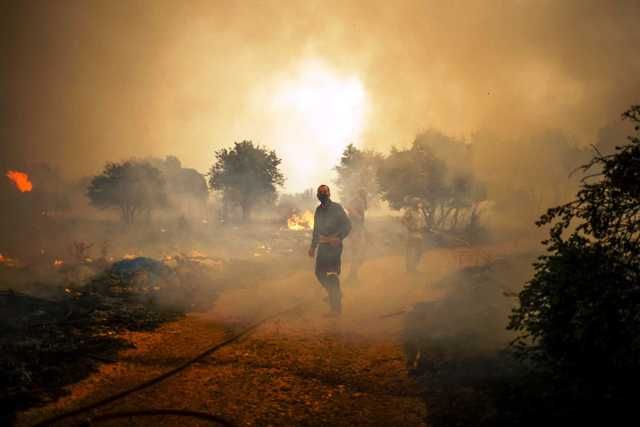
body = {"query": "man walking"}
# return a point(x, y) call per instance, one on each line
point(330, 226)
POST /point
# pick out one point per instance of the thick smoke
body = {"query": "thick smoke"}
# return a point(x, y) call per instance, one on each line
point(85, 81)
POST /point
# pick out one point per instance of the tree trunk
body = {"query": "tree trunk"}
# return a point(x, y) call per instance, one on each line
point(127, 214)
point(445, 215)
point(456, 214)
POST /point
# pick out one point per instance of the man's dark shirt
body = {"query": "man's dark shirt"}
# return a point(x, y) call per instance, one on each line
point(330, 220)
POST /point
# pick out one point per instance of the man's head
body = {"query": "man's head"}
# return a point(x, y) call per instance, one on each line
point(324, 193)
point(417, 202)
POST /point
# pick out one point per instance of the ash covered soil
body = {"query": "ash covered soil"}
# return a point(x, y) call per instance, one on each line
point(300, 369)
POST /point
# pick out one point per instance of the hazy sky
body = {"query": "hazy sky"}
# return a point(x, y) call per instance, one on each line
point(88, 81)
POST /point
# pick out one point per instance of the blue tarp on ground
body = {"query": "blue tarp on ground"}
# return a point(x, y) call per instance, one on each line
point(130, 267)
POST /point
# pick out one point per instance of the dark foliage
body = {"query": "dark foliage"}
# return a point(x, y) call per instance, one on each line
point(579, 317)
point(131, 186)
point(451, 195)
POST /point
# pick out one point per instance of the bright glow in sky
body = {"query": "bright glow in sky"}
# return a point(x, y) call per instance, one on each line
point(318, 114)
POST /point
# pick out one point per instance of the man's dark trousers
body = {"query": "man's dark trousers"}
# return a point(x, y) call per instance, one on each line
point(328, 263)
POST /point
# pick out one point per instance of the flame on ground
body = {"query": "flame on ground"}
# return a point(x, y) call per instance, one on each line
point(21, 180)
point(304, 221)
point(8, 262)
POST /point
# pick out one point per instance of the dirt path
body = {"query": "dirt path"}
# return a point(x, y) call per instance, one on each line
point(281, 375)
point(302, 369)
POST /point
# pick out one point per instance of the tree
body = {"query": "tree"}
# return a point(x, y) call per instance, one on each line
point(579, 316)
point(246, 175)
point(186, 188)
point(448, 194)
point(132, 186)
point(357, 170)
point(181, 181)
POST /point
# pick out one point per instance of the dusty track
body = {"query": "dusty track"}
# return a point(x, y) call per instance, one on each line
point(303, 369)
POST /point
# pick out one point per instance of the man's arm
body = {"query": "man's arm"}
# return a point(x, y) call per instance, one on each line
point(315, 236)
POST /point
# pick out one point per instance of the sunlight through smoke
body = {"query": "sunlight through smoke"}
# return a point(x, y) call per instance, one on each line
point(322, 113)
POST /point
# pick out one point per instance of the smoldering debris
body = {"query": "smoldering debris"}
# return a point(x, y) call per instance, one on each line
point(48, 342)
point(455, 346)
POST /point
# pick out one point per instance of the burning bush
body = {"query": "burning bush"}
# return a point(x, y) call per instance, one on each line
point(302, 221)
point(21, 180)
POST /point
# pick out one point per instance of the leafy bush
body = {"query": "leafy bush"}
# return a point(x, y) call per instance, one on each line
point(579, 316)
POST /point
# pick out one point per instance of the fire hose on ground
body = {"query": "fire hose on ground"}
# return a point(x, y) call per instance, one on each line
point(169, 412)
point(173, 412)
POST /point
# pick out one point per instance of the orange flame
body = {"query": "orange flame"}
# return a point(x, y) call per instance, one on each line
point(304, 221)
point(21, 180)
point(8, 262)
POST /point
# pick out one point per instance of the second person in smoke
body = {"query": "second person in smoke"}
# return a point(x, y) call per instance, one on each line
point(330, 226)
point(417, 223)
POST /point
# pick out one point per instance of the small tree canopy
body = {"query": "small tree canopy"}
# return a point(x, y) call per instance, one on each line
point(130, 186)
point(358, 170)
point(448, 194)
point(246, 174)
